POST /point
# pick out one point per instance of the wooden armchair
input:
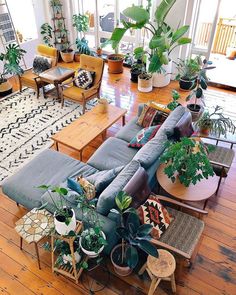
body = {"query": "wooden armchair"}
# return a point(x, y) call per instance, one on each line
point(28, 78)
point(184, 233)
point(80, 95)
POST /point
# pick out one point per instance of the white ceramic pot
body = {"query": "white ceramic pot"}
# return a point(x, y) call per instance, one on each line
point(62, 228)
point(68, 258)
point(91, 254)
point(163, 79)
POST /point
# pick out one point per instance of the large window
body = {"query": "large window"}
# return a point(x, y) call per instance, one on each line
point(22, 13)
point(104, 16)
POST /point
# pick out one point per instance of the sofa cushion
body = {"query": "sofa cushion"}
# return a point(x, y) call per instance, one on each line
point(172, 120)
point(113, 153)
point(143, 136)
point(129, 130)
point(102, 179)
point(74, 185)
point(106, 200)
point(49, 167)
point(152, 150)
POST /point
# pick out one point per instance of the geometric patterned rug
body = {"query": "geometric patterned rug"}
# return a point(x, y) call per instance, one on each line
point(27, 124)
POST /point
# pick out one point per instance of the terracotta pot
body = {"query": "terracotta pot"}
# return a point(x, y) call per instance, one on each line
point(120, 270)
point(67, 56)
point(99, 51)
point(144, 85)
point(115, 63)
point(231, 53)
point(77, 57)
point(205, 131)
point(5, 88)
point(102, 105)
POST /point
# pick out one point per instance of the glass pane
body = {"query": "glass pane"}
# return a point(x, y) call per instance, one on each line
point(26, 26)
point(106, 11)
point(204, 24)
point(89, 10)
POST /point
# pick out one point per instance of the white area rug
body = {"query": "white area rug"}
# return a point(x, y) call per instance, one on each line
point(27, 124)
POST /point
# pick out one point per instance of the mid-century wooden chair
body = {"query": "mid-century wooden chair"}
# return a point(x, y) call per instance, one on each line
point(80, 95)
point(28, 78)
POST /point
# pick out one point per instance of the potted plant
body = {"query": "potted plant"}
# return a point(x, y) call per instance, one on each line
point(215, 122)
point(67, 53)
point(186, 160)
point(198, 91)
point(11, 65)
point(81, 24)
point(56, 5)
point(188, 70)
point(175, 100)
point(92, 239)
point(46, 32)
point(99, 51)
point(124, 256)
point(115, 63)
point(163, 41)
point(64, 216)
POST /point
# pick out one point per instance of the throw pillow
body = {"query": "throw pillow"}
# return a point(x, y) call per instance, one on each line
point(41, 64)
point(89, 188)
point(84, 79)
point(159, 106)
point(151, 116)
point(143, 136)
point(102, 179)
point(74, 185)
point(154, 213)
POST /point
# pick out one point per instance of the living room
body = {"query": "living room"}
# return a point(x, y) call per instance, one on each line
point(117, 167)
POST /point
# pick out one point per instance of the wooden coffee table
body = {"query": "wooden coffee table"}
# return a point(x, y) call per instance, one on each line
point(56, 76)
point(202, 190)
point(86, 128)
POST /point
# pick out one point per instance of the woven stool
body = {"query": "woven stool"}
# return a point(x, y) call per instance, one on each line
point(161, 268)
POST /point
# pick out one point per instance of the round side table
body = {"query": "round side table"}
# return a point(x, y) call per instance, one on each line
point(161, 268)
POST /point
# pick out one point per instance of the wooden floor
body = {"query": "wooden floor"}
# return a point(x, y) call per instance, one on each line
point(214, 271)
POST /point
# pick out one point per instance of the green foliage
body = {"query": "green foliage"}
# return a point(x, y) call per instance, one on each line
point(187, 160)
point(201, 81)
point(61, 209)
point(188, 69)
point(92, 239)
point(216, 122)
point(164, 39)
point(82, 46)
point(81, 22)
point(131, 232)
point(175, 100)
point(46, 32)
point(11, 61)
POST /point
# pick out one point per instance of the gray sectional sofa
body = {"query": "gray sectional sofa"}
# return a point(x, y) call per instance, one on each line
point(51, 167)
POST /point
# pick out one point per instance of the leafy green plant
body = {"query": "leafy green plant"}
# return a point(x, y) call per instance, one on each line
point(186, 160)
point(62, 211)
point(188, 69)
point(175, 100)
point(201, 82)
point(216, 122)
point(11, 61)
point(46, 32)
point(92, 239)
point(164, 39)
point(131, 232)
point(81, 24)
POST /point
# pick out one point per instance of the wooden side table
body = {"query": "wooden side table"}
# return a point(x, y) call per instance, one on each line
point(33, 227)
point(161, 268)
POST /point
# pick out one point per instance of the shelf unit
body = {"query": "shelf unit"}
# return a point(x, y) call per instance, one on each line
point(70, 271)
point(59, 27)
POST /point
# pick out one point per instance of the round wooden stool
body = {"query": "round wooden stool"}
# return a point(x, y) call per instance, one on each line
point(161, 268)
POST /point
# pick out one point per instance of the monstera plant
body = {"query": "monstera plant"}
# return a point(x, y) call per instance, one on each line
point(164, 39)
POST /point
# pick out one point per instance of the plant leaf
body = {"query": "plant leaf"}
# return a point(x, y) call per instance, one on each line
point(148, 247)
point(144, 230)
point(179, 33)
point(184, 40)
point(132, 257)
point(162, 11)
point(137, 14)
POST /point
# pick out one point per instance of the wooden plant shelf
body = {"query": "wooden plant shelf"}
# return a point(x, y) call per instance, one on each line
point(67, 270)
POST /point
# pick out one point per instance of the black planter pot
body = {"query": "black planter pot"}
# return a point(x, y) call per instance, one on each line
point(196, 111)
point(134, 76)
point(187, 84)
